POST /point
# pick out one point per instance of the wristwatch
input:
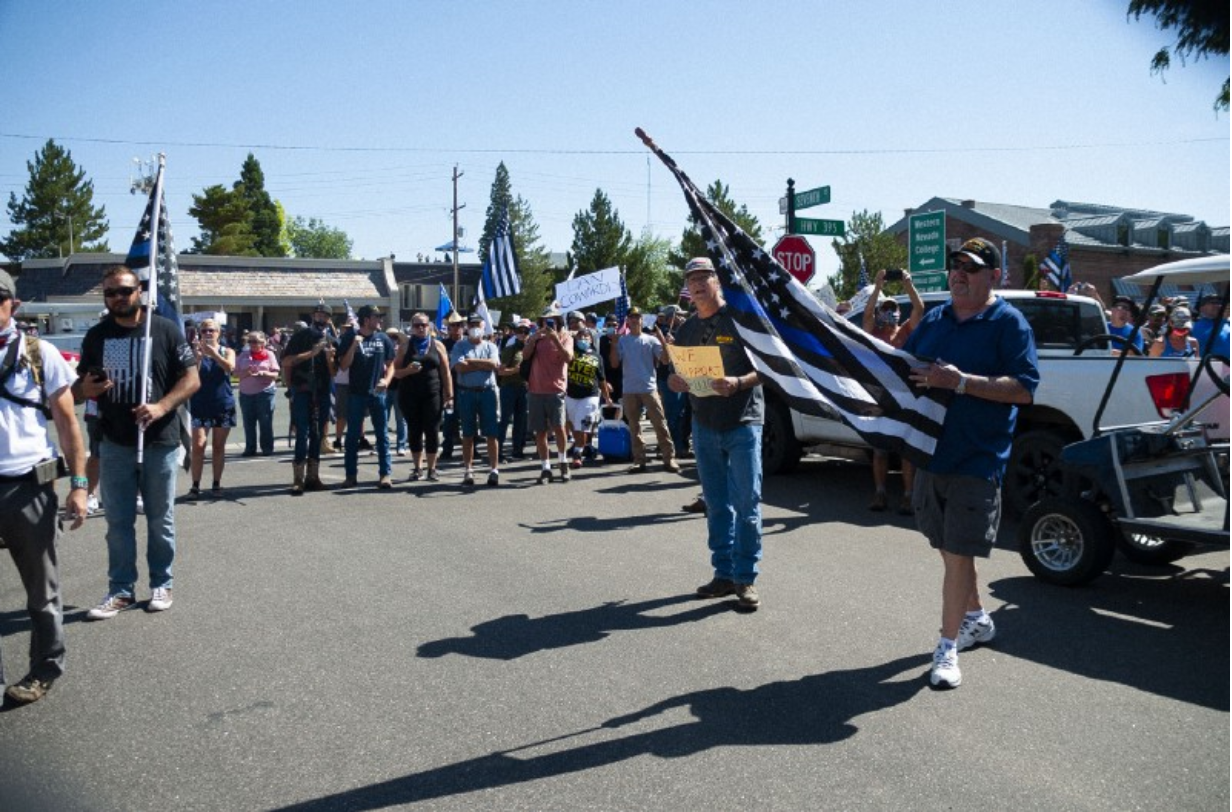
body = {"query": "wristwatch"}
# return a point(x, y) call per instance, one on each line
point(78, 483)
point(961, 389)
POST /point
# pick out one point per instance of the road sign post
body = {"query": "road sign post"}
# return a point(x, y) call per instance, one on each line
point(796, 255)
point(926, 242)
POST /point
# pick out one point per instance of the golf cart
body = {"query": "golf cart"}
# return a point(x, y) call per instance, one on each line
point(1156, 491)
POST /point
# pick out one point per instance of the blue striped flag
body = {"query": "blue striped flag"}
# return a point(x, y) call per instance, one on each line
point(500, 269)
point(813, 359)
point(622, 304)
point(862, 279)
point(154, 234)
point(1057, 266)
point(443, 308)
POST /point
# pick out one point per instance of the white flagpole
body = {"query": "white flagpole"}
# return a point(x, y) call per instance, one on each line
point(151, 300)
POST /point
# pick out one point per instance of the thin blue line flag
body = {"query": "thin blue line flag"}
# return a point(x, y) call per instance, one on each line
point(500, 269)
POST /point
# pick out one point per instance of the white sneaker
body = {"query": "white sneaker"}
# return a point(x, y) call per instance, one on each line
point(92, 505)
point(972, 632)
point(160, 599)
point(111, 606)
point(945, 668)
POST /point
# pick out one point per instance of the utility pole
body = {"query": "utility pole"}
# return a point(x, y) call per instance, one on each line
point(456, 285)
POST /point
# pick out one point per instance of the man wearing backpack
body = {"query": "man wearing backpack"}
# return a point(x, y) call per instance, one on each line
point(35, 384)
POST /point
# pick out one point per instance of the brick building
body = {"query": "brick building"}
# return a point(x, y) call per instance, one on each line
point(1105, 242)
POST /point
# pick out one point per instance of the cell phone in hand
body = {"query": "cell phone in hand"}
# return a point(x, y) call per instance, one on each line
point(894, 274)
point(98, 374)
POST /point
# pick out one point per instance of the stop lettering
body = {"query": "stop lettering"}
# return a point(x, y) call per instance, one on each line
point(796, 256)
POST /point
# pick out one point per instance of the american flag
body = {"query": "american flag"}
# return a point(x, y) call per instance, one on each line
point(500, 269)
point(155, 235)
point(1057, 266)
point(684, 292)
point(862, 279)
point(812, 358)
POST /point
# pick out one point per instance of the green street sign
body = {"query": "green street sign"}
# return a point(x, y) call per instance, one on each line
point(926, 242)
point(820, 228)
point(929, 281)
point(813, 197)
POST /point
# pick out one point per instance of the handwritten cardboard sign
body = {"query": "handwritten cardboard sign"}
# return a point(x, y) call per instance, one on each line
point(699, 366)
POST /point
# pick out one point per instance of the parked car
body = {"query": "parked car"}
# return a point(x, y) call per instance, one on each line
point(1076, 360)
point(69, 346)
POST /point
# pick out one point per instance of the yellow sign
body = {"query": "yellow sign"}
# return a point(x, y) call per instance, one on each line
point(697, 365)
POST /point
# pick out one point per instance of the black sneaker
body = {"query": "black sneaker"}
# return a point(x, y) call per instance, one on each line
point(565, 475)
point(493, 479)
point(468, 479)
point(717, 588)
point(364, 444)
point(545, 475)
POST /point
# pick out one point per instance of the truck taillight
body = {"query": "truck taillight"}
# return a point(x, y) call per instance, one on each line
point(1168, 392)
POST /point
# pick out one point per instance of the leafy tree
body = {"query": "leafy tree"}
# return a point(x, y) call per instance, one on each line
point(600, 239)
point(265, 223)
point(1202, 31)
point(533, 258)
point(866, 235)
point(649, 273)
point(312, 238)
point(56, 193)
point(691, 243)
point(225, 223)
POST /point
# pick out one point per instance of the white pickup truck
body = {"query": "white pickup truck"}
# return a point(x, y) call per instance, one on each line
point(1076, 359)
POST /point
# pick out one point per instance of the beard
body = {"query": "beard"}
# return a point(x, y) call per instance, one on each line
point(124, 310)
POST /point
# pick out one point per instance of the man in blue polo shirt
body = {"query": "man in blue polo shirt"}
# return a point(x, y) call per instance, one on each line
point(983, 349)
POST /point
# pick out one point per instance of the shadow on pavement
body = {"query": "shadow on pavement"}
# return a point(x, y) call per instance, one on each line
point(592, 524)
point(815, 710)
point(513, 636)
point(1164, 635)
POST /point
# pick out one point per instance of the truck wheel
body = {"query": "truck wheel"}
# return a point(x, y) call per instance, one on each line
point(780, 450)
point(1152, 550)
point(1065, 541)
point(1034, 471)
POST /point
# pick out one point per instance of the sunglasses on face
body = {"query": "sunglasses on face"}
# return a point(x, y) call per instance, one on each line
point(124, 290)
point(966, 267)
point(419, 326)
point(207, 330)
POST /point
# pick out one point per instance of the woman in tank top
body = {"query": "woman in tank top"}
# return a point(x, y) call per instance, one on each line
point(212, 406)
point(424, 388)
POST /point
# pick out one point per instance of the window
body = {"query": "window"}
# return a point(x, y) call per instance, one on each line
point(1122, 234)
point(1162, 237)
point(413, 297)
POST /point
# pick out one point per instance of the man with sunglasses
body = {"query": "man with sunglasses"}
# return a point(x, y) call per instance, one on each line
point(110, 371)
point(981, 348)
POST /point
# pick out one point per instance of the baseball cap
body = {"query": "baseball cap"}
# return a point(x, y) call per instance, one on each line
point(322, 308)
point(474, 318)
point(551, 313)
point(367, 312)
point(669, 311)
point(576, 315)
point(980, 251)
point(1127, 301)
point(698, 265)
point(7, 286)
point(633, 311)
point(1181, 318)
point(1157, 310)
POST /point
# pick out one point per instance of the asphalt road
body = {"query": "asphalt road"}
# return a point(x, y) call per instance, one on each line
point(538, 647)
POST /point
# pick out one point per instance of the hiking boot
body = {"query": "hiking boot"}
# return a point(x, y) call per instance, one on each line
point(945, 673)
point(365, 444)
point(717, 588)
point(565, 473)
point(312, 482)
point(350, 482)
point(160, 599)
point(973, 632)
point(468, 479)
point(747, 598)
point(30, 689)
point(878, 505)
point(111, 606)
point(297, 482)
point(493, 479)
point(385, 483)
point(545, 476)
point(327, 447)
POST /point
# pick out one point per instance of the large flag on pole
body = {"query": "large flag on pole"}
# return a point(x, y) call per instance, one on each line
point(160, 280)
point(1056, 264)
point(814, 360)
point(500, 269)
point(443, 308)
point(622, 306)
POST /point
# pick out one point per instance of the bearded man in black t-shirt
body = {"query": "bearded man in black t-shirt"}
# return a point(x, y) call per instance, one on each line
point(308, 367)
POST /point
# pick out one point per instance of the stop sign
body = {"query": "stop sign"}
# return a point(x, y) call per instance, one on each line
point(795, 254)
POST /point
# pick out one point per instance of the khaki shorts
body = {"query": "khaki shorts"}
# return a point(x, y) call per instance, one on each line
point(958, 514)
point(545, 412)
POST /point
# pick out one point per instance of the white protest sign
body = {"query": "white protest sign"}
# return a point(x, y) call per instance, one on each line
point(591, 289)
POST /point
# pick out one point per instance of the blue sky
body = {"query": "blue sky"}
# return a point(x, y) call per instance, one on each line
point(358, 112)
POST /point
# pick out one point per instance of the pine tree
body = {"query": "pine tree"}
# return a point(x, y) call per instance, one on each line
point(225, 223)
point(533, 259)
point(691, 243)
point(866, 236)
point(265, 223)
point(600, 239)
point(56, 195)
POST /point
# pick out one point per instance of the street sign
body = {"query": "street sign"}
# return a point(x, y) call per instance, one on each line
point(813, 197)
point(796, 255)
point(926, 242)
point(929, 281)
point(820, 228)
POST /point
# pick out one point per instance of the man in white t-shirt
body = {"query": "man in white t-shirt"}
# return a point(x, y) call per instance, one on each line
point(35, 384)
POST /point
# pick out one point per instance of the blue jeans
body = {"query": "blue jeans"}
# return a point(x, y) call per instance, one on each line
point(372, 404)
point(513, 410)
point(673, 410)
point(258, 412)
point(156, 484)
point(729, 466)
point(307, 433)
point(393, 411)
